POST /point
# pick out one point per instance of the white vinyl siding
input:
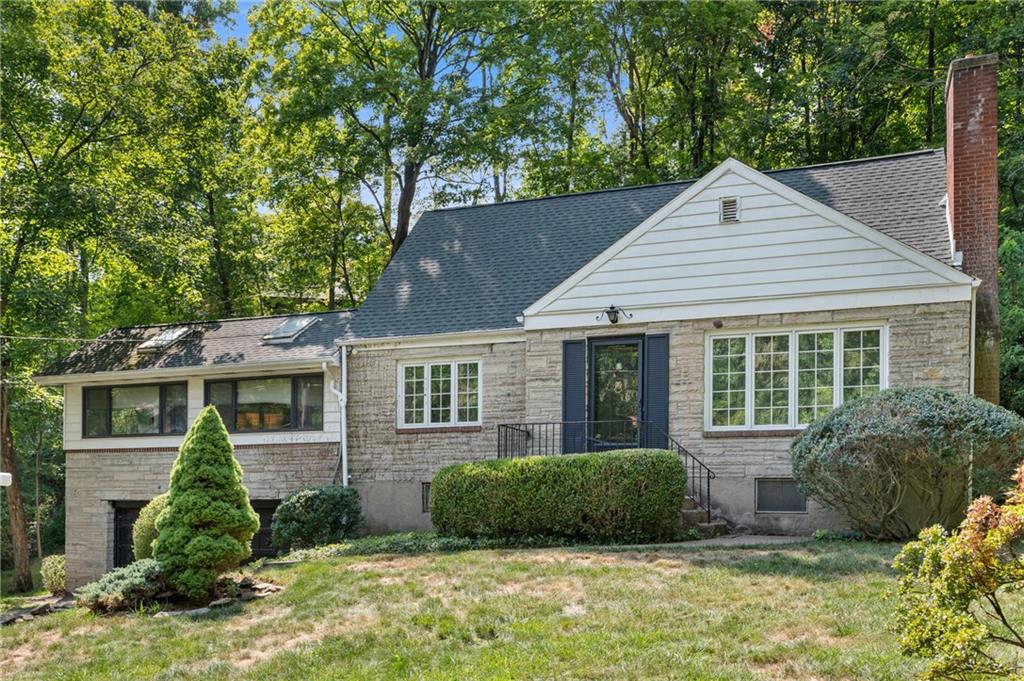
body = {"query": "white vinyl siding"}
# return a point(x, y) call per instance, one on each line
point(432, 394)
point(787, 379)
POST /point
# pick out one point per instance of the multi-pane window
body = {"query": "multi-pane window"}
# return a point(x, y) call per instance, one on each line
point(862, 363)
point(728, 381)
point(771, 380)
point(267, 404)
point(815, 383)
point(135, 410)
point(439, 394)
point(790, 378)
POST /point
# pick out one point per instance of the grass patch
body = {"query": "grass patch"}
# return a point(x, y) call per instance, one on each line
point(811, 611)
point(9, 600)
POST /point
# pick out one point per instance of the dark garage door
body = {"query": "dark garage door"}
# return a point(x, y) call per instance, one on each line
point(126, 512)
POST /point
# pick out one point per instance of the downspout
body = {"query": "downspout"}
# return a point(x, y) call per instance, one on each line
point(974, 323)
point(340, 360)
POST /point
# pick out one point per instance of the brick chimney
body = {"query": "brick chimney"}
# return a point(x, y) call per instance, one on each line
point(971, 185)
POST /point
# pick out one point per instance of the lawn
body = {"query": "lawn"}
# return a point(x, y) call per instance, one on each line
point(809, 611)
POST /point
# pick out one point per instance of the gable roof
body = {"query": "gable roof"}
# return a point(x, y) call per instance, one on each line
point(479, 267)
point(219, 342)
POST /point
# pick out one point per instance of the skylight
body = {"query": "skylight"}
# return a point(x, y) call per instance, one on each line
point(163, 339)
point(289, 329)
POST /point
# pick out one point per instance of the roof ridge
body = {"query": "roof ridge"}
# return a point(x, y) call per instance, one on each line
point(225, 319)
point(690, 180)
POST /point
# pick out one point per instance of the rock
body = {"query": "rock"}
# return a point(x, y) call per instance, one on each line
point(221, 602)
point(245, 582)
point(247, 595)
point(26, 617)
point(197, 612)
point(40, 609)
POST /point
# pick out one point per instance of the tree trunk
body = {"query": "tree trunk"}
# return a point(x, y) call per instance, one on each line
point(218, 259)
point(83, 291)
point(15, 509)
point(39, 524)
point(929, 130)
point(410, 173)
point(332, 283)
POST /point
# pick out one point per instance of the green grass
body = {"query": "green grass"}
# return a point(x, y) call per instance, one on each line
point(9, 600)
point(811, 611)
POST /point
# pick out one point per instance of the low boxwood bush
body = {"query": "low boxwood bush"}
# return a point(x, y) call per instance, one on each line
point(626, 495)
point(124, 588)
point(316, 516)
point(906, 459)
point(53, 574)
point(144, 529)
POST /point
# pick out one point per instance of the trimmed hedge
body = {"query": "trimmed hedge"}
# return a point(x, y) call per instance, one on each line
point(902, 460)
point(53, 573)
point(316, 516)
point(144, 528)
point(632, 495)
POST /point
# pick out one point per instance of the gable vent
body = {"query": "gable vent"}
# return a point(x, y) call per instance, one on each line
point(729, 210)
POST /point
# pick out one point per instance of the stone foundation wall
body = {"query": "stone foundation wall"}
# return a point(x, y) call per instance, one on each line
point(97, 478)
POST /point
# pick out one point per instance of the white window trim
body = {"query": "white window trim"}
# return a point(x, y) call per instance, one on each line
point(427, 364)
point(837, 372)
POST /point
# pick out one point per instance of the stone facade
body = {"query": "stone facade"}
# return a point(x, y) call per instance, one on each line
point(929, 345)
point(95, 479)
point(387, 464)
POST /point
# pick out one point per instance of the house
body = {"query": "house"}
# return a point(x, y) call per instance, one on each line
point(715, 316)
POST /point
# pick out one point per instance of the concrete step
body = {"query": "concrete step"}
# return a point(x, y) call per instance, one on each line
point(716, 528)
point(689, 503)
point(691, 517)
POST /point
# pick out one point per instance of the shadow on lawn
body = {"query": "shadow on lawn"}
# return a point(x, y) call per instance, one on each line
point(822, 563)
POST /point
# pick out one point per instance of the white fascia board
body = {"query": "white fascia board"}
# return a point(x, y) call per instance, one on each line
point(759, 306)
point(947, 272)
point(438, 340)
point(176, 372)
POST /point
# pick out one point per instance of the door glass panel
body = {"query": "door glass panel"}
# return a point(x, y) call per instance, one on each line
point(616, 402)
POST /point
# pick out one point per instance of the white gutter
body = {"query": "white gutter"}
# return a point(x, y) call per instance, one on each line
point(974, 321)
point(342, 396)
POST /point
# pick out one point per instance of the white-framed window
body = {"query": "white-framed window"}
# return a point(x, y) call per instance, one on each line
point(760, 380)
point(439, 393)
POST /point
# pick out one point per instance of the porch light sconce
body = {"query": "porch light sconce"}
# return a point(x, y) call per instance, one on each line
point(612, 313)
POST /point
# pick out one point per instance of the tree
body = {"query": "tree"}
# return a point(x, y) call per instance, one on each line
point(950, 606)
point(208, 523)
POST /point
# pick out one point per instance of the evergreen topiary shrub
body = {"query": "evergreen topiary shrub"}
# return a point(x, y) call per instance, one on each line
point(144, 529)
point(316, 516)
point(907, 459)
point(208, 523)
point(124, 588)
point(53, 573)
point(626, 495)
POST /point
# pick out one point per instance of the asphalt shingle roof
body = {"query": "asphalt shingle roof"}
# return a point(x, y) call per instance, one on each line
point(478, 267)
point(209, 343)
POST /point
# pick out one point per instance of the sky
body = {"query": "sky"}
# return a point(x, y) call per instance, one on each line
point(240, 29)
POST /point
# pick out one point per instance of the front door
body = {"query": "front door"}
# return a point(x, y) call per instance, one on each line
point(125, 515)
point(615, 393)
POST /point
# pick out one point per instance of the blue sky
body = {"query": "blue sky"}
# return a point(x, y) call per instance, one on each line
point(240, 29)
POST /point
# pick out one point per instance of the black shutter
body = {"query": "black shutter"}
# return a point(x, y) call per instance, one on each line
point(574, 391)
point(655, 391)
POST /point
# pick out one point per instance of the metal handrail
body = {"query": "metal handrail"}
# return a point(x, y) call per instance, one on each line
point(575, 437)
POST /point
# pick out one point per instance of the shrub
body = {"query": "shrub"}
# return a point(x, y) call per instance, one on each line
point(53, 574)
point(948, 603)
point(144, 529)
point(902, 460)
point(124, 588)
point(208, 523)
point(627, 495)
point(316, 516)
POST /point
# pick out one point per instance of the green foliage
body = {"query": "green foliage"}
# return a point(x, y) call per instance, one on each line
point(316, 516)
point(144, 529)
point(124, 588)
point(208, 523)
point(627, 495)
point(416, 543)
point(949, 606)
point(53, 574)
point(902, 460)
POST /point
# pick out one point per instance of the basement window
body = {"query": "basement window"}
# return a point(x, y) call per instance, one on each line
point(729, 210)
point(778, 495)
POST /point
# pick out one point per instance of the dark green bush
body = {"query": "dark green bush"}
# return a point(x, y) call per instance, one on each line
point(905, 459)
point(208, 524)
point(316, 516)
point(627, 495)
point(144, 529)
point(53, 574)
point(124, 588)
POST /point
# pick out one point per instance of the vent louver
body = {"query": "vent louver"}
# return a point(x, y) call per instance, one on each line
point(729, 210)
